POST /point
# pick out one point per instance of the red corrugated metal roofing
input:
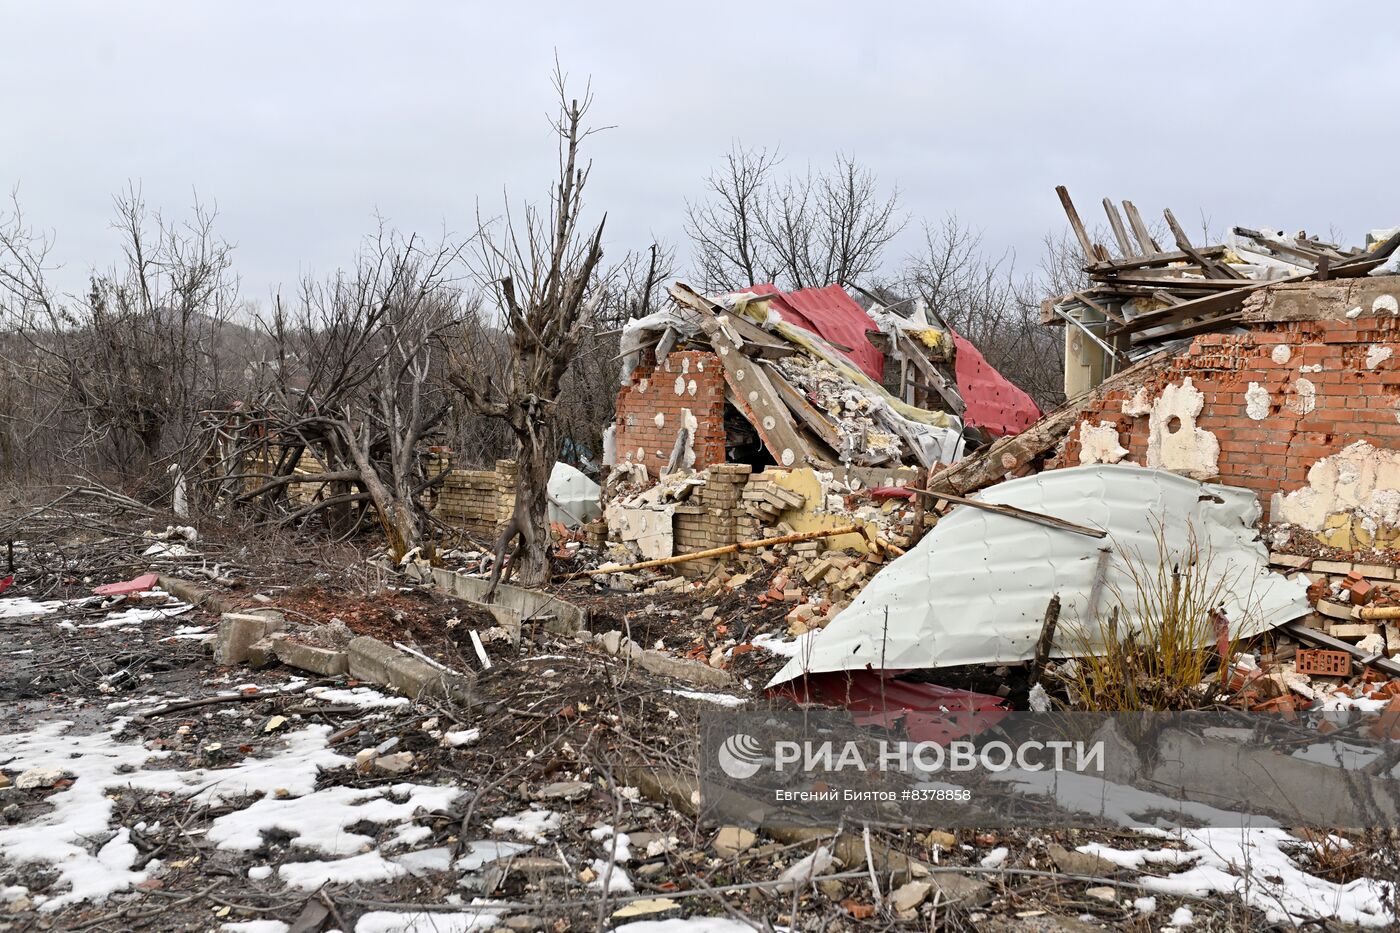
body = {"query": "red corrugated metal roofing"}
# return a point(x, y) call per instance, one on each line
point(993, 402)
point(833, 315)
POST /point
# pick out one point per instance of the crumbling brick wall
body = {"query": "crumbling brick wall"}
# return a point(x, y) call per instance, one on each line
point(477, 501)
point(686, 388)
point(711, 517)
point(1260, 409)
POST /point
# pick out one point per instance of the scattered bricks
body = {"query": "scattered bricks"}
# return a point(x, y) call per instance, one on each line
point(237, 633)
point(816, 571)
point(1320, 662)
point(1392, 638)
point(802, 613)
point(1387, 724)
point(324, 661)
point(1361, 591)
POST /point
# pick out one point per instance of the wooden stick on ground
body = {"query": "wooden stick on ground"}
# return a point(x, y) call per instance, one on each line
point(727, 549)
point(1038, 518)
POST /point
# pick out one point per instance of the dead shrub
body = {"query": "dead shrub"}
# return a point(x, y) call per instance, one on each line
point(1164, 661)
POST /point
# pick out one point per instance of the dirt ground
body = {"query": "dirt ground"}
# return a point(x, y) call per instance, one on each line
point(191, 796)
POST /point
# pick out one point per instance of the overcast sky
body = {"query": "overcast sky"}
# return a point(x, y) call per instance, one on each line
point(301, 120)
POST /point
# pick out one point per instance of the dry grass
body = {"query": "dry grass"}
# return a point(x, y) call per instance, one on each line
point(1161, 638)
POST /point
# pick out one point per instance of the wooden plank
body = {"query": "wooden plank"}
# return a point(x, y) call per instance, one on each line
point(805, 411)
point(1011, 511)
point(1115, 221)
point(1217, 269)
point(1101, 308)
point(1160, 259)
point(949, 392)
point(1148, 245)
point(1209, 325)
point(1197, 307)
point(1077, 225)
point(1167, 281)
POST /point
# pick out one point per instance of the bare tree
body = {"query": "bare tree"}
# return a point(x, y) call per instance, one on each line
point(356, 382)
point(800, 231)
point(726, 228)
point(128, 364)
point(986, 302)
point(541, 275)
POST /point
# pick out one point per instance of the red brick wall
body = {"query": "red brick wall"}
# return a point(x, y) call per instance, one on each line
point(1352, 402)
point(692, 380)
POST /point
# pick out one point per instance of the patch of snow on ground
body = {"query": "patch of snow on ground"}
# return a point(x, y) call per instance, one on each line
point(423, 861)
point(1251, 862)
point(390, 921)
point(368, 866)
point(485, 851)
point(254, 926)
point(774, 645)
point(136, 615)
point(610, 881)
point(528, 824)
point(363, 697)
point(74, 836)
point(719, 699)
point(320, 821)
point(16, 606)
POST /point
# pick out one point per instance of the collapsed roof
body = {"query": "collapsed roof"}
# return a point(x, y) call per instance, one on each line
point(1148, 296)
point(824, 383)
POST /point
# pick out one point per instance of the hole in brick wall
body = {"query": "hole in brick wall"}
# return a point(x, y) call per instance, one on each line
point(1173, 424)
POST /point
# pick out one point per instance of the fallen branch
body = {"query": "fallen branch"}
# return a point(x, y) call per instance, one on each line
point(726, 549)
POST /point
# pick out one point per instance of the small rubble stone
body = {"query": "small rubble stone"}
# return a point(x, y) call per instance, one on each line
point(39, 778)
point(397, 763)
point(1103, 893)
point(732, 840)
point(1080, 863)
point(564, 790)
point(908, 896)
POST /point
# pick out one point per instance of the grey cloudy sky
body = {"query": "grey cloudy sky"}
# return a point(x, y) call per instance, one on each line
point(302, 119)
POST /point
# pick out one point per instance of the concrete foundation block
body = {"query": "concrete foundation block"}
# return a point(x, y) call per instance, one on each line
point(372, 660)
point(262, 653)
point(237, 633)
point(328, 662)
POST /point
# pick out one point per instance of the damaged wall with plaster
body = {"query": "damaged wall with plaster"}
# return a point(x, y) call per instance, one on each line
point(1304, 409)
point(685, 390)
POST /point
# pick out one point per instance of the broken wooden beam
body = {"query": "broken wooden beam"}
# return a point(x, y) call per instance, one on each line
point(1011, 511)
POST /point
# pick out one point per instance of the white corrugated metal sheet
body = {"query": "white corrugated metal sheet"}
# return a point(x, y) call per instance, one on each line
point(975, 589)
